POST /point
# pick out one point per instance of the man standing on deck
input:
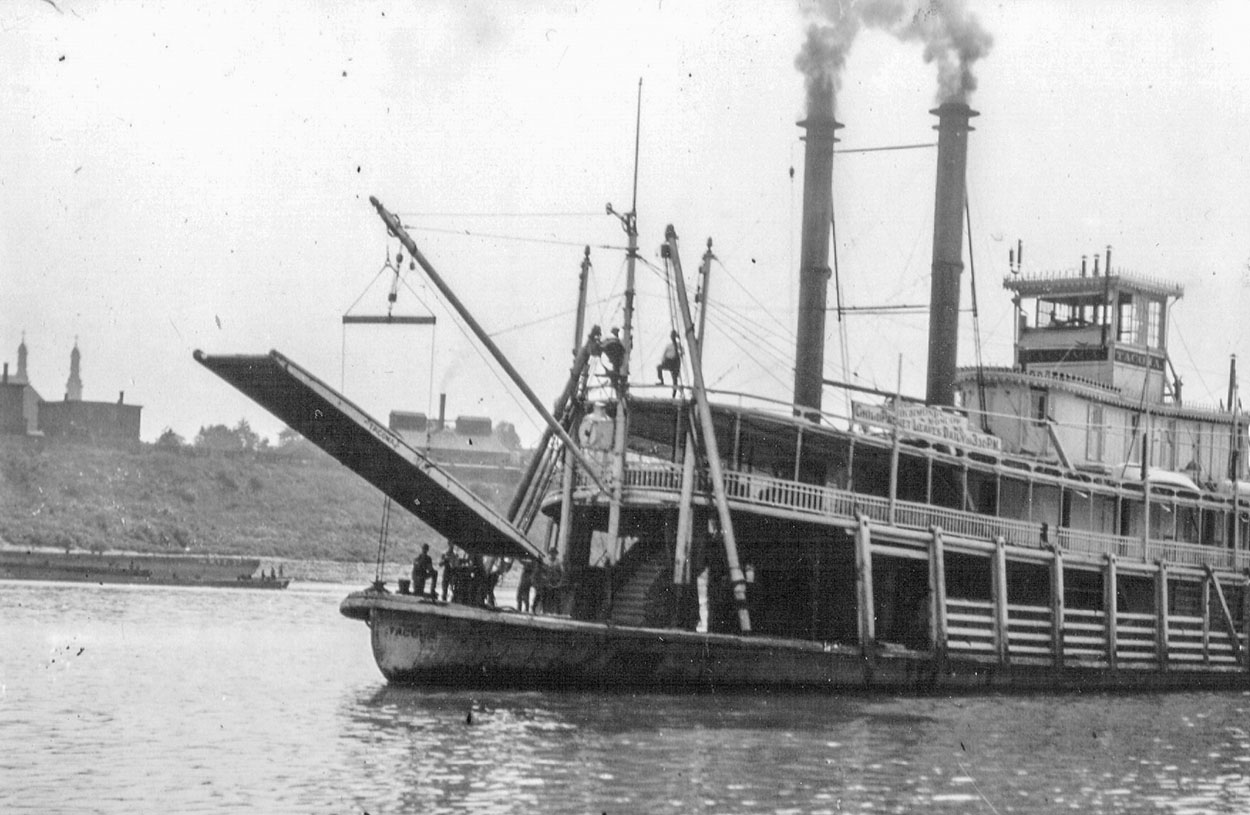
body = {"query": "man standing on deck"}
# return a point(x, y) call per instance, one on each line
point(448, 564)
point(423, 570)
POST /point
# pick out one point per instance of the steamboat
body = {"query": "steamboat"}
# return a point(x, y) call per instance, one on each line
point(1063, 521)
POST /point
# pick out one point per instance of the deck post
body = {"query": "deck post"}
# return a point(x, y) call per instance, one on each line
point(1056, 607)
point(1206, 618)
point(999, 587)
point(1244, 640)
point(1111, 609)
point(937, 598)
point(1161, 615)
point(863, 586)
point(685, 516)
point(708, 430)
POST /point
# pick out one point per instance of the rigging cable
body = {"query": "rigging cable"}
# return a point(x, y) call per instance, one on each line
point(343, 349)
point(383, 540)
point(518, 238)
point(837, 289)
point(976, 322)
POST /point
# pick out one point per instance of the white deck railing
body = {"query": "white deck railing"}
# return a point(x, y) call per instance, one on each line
point(830, 503)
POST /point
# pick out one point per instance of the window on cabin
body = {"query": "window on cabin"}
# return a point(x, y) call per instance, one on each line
point(1046, 506)
point(1213, 526)
point(1038, 399)
point(1013, 498)
point(1187, 524)
point(1162, 520)
point(1095, 433)
point(1126, 320)
point(1154, 324)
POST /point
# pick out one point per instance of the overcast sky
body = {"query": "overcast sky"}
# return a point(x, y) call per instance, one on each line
point(182, 175)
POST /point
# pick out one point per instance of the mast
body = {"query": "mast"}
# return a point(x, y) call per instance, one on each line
point(570, 462)
point(708, 428)
point(397, 229)
point(630, 223)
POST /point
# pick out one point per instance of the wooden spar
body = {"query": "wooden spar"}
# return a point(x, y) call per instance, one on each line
point(397, 229)
point(1056, 607)
point(937, 598)
point(1111, 608)
point(575, 374)
point(1206, 617)
point(709, 439)
point(685, 509)
point(1161, 615)
point(685, 516)
point(387, 319)
point(863, 590)
point(999, 585)
point(570, 462)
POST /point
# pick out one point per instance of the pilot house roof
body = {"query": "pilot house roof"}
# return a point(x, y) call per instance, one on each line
point(1073, 284)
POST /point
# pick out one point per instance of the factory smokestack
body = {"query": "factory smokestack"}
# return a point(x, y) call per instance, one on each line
point(814, 272)
point(948, 219)
point(442, 411)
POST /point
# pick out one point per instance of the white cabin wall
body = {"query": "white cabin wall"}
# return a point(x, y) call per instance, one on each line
point(1071, 420)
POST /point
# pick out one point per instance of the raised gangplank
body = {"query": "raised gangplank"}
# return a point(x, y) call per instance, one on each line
point(336, 425)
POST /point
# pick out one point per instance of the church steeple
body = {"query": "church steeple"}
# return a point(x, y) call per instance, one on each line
point(73, 388)
point(21, 377)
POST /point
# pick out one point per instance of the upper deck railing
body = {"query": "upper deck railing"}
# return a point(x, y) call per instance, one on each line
point(822, 503)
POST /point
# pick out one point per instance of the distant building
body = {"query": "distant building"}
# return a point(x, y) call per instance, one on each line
point(469, 449)
point(24, 412)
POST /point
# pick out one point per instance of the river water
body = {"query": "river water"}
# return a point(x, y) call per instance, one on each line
point(123, 699)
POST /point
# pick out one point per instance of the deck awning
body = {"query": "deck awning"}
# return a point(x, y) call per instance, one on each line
point(367, 447)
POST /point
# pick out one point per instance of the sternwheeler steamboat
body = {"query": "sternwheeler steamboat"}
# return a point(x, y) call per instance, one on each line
point(1064, 521)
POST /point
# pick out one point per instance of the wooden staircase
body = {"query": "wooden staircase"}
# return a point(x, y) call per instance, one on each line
point(635, 599)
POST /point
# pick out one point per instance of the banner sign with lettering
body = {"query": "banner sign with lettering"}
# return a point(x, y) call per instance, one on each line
point(926, 421)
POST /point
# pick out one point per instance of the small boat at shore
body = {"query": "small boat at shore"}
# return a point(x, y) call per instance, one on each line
point(137, 567)
point(1063, 521)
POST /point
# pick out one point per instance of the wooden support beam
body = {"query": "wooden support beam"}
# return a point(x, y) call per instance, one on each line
point(1245, 621)
point(937, 599)
point(1111, 609)
point(387, 319)
point(1228, 617)
point(1056, 607)
point(685, 516)
point(1161, 615)
point(999, 587)
point(863, 586)
point(1206, 617)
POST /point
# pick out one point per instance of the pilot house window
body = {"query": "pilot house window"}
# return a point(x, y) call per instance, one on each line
point(1126, 320)
point(1154, 324)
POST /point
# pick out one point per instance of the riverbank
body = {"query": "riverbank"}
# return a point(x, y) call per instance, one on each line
point(144, 498)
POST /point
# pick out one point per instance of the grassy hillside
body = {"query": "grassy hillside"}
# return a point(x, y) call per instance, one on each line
point(148, 498)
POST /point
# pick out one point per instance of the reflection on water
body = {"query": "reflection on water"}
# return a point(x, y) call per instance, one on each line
point(123, 699)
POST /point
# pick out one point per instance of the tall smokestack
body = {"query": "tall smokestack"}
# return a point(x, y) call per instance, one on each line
point(814, 272)
point(948, 235)
point(442, 411)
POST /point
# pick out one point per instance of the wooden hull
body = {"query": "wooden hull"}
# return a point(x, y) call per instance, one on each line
point(422, 642)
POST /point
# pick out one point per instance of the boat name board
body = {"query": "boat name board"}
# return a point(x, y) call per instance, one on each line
point(927, 421)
